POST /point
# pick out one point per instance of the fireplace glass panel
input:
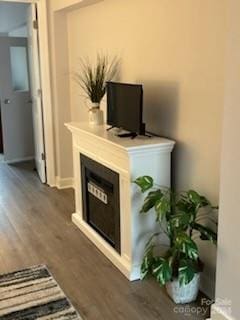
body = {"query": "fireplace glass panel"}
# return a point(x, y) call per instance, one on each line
point(101, 208)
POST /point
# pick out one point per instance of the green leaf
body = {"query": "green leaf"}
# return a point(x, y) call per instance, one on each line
point(205, 202)
point(206, 233)
point(162, 271)
point(185, 205)
point(144, 182)
point(194, 197)
point(186, 272)
point(197, 199)
point(181, 220)
point(182, 205)
point(148, 260)
point(151, 200)
point(186, 245)
point(162, 207)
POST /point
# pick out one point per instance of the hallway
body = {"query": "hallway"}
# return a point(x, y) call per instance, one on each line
point(36, 228)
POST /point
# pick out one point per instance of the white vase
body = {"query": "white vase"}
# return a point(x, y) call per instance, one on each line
point(185, 293)
point(95, 115)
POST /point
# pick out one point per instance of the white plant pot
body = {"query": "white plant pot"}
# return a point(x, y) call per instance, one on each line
point(185, 293)
point(95, 115)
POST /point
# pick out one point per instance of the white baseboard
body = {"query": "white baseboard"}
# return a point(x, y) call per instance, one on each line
point(18, 160)
point(64, 183)
point(218, 313)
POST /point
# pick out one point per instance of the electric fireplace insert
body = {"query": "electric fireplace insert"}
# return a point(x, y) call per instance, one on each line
point(101, 204)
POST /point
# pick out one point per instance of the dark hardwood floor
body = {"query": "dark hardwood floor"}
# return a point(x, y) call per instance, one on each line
point(36, 228)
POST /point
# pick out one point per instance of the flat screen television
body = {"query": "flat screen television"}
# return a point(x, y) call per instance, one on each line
point(125, 107)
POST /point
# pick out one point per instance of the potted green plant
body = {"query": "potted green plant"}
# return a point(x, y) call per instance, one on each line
point(92, 80)
point(175, 264)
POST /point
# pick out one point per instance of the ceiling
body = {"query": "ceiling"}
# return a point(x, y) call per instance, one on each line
point(12, 16)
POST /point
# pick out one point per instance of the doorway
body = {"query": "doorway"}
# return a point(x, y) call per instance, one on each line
point(22, 127)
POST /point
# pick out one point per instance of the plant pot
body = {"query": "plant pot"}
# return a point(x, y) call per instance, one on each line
point(185, 293)
point(95, 115)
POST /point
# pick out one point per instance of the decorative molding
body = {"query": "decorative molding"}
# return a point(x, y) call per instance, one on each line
point(217, 313)
point(64, 183)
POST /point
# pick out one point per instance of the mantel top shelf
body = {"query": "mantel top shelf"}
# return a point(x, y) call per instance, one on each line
point(100, 133)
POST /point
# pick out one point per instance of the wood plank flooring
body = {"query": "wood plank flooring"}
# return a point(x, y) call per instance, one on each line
point(36, 228)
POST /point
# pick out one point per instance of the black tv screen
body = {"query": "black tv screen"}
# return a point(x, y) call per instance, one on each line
point(125, 106)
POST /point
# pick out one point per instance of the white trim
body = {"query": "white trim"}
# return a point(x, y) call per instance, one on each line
point(18, 160)
point(217, 313)
point(46, 90)
point(122, 263)
point(64, 183)
point(46, 86)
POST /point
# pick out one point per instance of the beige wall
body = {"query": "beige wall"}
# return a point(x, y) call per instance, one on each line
point(228, 263)
point(177, 50)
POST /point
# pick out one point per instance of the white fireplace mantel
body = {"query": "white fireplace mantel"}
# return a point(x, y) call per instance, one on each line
point(130, 158)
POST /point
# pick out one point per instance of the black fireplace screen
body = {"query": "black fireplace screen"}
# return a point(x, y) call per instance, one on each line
point(101, 205)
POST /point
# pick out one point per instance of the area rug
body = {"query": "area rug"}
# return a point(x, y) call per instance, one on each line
point(31, 294)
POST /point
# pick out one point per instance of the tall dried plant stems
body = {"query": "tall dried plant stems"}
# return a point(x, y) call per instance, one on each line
point(92, 78)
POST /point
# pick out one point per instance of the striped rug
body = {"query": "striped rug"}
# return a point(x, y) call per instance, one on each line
point(31, 294)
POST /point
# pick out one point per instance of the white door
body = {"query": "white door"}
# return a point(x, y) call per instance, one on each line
point(16, 108)
point(34, 65)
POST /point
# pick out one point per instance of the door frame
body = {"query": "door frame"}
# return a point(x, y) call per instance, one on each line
point(44, 57)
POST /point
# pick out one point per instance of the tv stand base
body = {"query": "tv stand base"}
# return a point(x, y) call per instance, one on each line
point(110, 128)
point(131, 135)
